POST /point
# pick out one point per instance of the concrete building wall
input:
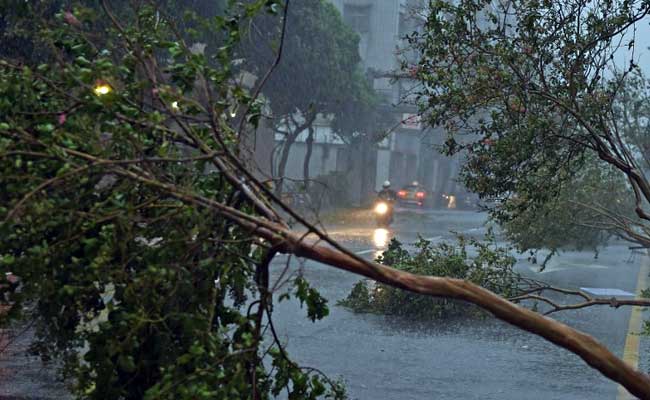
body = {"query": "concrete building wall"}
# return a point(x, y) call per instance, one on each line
point(323, 160)
point(380, 25)
point(407, 141)
point(256, 147)
point(410, 152)
point(437, 171)
point(377, 24)
point(383, 168)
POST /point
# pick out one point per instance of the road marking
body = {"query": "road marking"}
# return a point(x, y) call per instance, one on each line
point(368, 251)
point(360, 253)
point(607, 292)
point(631, 350)
point(563, 267)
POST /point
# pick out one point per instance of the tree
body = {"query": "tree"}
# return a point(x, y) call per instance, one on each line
point(631, 107)
point(317, 73)
point(573, 219)
point(526, 89)
point(361, 123)
point(139, 234)
point(155, 286)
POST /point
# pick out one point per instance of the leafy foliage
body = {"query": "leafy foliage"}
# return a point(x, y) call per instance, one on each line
point(491, 267)
point(319, 74)
point(306, 81)
point(574, 218)
point(524, 93)
point(105, 142)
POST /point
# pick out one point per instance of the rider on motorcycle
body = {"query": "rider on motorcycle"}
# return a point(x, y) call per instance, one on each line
point(388, 197)
point(387, 193)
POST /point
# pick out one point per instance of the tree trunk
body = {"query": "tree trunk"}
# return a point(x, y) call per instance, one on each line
point(310, 144)
point(284, 158)
point(282, 239)
point(368, 169)
point(290, 139)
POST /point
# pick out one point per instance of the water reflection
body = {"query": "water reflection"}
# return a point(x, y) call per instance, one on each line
point(380, 239)
point(451, 200)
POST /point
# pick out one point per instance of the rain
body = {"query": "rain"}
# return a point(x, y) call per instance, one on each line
point(362, 199)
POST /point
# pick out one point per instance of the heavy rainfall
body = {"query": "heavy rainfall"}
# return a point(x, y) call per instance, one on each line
point(324, 199)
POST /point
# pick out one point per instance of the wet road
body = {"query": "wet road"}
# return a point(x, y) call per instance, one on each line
point(382, 357)
point(25, 377)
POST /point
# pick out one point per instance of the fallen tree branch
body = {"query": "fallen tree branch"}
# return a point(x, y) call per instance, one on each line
point(286, 241)
point(536, 294)
point(589, 349)
point(282, 238)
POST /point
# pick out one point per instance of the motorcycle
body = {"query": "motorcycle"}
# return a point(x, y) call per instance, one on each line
point(383, 213)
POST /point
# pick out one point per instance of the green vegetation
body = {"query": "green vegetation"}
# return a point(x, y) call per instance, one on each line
point(319, 75)
point(491, 267)
point(138, 288)
point(143, 243)
point(573, 219)
point(547, 129)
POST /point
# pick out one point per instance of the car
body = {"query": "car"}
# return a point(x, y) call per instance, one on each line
point(412, 194)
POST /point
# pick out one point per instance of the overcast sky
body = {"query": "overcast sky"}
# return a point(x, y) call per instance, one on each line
point(641, 51)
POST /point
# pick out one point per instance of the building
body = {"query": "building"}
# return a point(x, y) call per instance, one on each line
point(409, 153)
point(328, 152)
point(381, 26)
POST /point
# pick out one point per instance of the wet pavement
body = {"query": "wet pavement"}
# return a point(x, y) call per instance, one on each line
point(23, 376)
point(387, 357)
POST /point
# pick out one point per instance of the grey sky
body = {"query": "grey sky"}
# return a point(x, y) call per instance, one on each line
point(641, 51)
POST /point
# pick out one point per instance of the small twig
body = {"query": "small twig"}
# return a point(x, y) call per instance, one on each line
point(535, 294)
point(41, 187)
point(268, 74)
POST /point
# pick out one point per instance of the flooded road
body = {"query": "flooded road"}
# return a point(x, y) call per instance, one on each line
point(389, 358)
point(386, 357)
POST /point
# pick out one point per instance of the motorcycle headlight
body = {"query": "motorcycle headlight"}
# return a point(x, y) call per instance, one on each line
point(381, 208)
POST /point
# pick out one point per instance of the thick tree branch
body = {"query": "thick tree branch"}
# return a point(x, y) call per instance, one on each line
point(594, 353)
point(585, 346)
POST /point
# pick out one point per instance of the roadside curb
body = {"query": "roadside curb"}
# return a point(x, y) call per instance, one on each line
point(633, 339)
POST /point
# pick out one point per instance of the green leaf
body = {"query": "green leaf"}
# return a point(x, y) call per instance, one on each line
point(45, 128)
point(316, 304)
point(126, 363)
point(7, 260)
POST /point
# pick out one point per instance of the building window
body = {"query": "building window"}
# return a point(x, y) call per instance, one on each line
point(357, 17)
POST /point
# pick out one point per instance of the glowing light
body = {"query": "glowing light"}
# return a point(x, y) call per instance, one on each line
point(380, 237)
point(233, 114)
point(452, 202)
point(381, 208)
point(102, 88)
point(175, 105)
